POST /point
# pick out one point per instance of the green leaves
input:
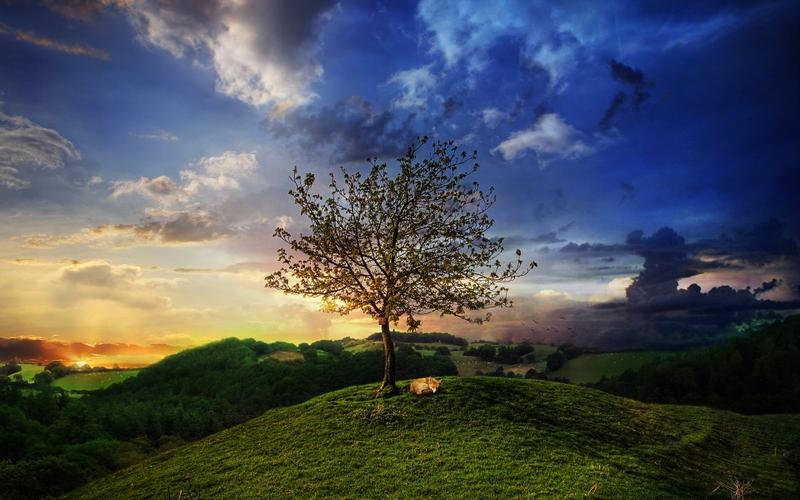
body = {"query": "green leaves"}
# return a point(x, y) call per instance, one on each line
point(402, 242)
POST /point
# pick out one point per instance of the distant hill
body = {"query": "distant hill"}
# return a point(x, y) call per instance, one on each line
point(423, 338)
point(755, 373)
point(479, 438)
point(45, 351)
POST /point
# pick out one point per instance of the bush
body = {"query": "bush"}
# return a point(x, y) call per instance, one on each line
point(555, 361)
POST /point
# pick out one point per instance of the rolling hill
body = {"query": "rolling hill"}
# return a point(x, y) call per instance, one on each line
point(482, 437)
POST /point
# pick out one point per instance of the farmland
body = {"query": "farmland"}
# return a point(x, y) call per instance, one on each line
point(589, 368)
point(93, 381)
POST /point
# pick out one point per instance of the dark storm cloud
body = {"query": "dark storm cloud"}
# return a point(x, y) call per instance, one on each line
point(665, 262)
point(767, 286)
point(759, 245)
point(573, 247)
point(353, 128)
point(630, 77)
point(616, 103)
point(656, 312)
point(547, 237)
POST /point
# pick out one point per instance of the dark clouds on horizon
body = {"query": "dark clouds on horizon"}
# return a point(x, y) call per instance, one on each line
point(664, 314)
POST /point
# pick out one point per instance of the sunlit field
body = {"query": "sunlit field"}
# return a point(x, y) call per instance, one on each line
point(93, 381)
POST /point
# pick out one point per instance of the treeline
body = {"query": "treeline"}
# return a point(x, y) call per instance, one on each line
point(423, 338)
point(51, 443)
point(563, 353)
point(504, 354)
point(758, 373)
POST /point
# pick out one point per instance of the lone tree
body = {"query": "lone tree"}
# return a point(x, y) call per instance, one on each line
point(399, 244)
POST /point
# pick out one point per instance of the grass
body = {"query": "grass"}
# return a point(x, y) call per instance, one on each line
point(29, 371)
point(286, 356)
point(589, 368)
point(479, 437)
point(469, 365)
point(92, 381)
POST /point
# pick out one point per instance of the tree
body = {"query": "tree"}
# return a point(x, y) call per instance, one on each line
point(399, 244)
point(555, 361)
point(43, 378)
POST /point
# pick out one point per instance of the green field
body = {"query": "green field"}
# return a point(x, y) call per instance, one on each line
point(480, 437)
point(29, 371)
point(589, 368)
point(286, 356)
point(93, 381)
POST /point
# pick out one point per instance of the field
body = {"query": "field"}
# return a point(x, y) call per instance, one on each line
point(480, 437)
point(589, 368)
point(29, 371)
point(286, 356)
point(467, 365)
point(93, 381)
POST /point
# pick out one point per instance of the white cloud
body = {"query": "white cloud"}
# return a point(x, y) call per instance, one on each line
point(94, 180)
point(467, 30)
point(157, 188)
point(550, 138)
point(219, 172)
point(224, 172)
point(554, 38)
point(25, 145)
point(158, 135)
point(492, 117)
point(416, 83)
point(262, 52)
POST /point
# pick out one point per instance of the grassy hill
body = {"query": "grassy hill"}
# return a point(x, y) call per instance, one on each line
point(479, 437)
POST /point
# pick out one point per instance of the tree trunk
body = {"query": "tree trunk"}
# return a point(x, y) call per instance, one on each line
point(388, 386)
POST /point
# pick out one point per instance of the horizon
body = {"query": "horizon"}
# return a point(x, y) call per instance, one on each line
point(644, 156)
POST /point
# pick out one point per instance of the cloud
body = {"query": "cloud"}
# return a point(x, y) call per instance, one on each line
point(416, 84)
point(223, 172)
point(467, 30)
point(158, 135)
point(353, 128)
point(665, 262)
point(49, 43)
point(617, 102)
point(157, 187)
point(25, 145)
point(176, 228)
point(219, 173)
point(767, 286)
point(83, 10)
point(102, 280)
point(123, 284)
point(262, 52)
point(94, 180)
point(630, 77)
point(492, 117)
point(551, 138)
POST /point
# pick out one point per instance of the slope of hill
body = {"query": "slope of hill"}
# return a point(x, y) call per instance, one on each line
point(481, 437)
point(755, 373)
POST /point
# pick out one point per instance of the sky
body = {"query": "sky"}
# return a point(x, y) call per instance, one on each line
point(645, 154)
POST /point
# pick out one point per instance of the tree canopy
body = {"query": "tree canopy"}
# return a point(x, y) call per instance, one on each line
point(401, 244)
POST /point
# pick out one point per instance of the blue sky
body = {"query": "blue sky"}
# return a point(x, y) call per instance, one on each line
point(145, 149)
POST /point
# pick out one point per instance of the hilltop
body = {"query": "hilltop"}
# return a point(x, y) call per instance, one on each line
point(486, 437)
